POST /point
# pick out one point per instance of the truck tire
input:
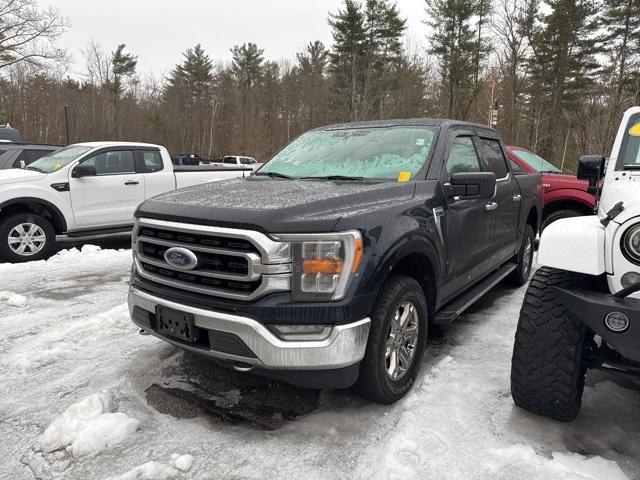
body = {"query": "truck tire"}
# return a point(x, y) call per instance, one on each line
point(524, 259)
point(25, 237)
point(551, 347)
point(396, 343)
point(567, 213)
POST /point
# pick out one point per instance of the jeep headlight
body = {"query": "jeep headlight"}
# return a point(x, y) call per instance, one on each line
point(323, 264)
point(631, 244)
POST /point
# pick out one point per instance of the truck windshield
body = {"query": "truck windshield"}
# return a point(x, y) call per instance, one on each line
point(58, 159)
point(394, 153)
point(629, 158)
point(539, 164)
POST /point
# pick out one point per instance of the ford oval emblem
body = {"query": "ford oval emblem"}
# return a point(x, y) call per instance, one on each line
point(181, 258)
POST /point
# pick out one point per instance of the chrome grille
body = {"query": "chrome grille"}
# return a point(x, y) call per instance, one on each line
point(239, 264)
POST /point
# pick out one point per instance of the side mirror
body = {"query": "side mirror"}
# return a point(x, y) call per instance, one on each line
point(474, 185)
point(84, 171)
point(591, 168)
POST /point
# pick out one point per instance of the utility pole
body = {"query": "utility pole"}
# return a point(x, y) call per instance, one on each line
point(66, 122)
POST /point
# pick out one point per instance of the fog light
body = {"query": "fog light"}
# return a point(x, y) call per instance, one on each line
point(630, 278)
point(302, 332)
point(616, 322)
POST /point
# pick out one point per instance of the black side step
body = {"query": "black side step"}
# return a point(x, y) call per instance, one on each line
point(454, 309)
point(100, 231)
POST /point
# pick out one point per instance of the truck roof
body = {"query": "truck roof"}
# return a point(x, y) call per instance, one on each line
point(117, 144)
point(430, 122)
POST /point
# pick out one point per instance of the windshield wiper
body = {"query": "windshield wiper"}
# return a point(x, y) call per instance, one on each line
point(29, 167)
point(335, 177)
point(631, 166)
point(273, 175)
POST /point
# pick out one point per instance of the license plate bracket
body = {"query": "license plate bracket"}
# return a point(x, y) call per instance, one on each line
point(176, 324)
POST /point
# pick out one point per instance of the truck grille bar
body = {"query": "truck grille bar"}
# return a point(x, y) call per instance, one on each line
point(231, 263)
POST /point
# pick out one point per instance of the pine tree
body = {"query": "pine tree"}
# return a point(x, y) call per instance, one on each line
point(563, 60)
point(455, 45)
point(122, 65)
point(194, 74)
point(310, 76)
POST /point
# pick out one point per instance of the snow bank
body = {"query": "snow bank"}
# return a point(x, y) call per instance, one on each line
point(13, 299)
point(88, 426)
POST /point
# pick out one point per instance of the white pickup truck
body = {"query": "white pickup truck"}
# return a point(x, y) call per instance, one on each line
point(87, 189)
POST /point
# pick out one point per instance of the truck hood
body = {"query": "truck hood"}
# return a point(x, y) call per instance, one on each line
point(621, 188)
point(275, 206)
point(13, 175)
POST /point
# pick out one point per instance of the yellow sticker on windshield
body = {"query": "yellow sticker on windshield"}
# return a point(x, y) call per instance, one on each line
point(635, 130)
point(404, 177)
point(58, 166)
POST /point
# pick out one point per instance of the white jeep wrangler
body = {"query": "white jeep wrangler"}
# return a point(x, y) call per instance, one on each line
point(582, 307)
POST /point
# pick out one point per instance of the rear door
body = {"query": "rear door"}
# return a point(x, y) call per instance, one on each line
point(110, 197)
point(157, 178)
point(464, 221)
point(504, 209)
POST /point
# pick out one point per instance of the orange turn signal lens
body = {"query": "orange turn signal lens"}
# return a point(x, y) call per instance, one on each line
point(358, 255)
point(326, 266)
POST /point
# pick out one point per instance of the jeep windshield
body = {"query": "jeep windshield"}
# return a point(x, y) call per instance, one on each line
point(629, 157)
point(58, 159)
point(392, 153)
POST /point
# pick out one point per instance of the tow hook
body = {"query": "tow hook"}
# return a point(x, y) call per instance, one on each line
point(242, 367)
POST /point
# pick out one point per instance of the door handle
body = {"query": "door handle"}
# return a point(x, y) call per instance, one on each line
point(131, 182)
point(517, 198)
point(490, 206)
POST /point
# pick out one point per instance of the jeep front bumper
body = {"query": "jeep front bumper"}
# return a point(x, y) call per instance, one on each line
point(241, 339)
point(593, 307)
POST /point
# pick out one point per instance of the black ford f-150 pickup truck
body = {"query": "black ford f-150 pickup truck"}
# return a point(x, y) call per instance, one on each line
point(328, 265)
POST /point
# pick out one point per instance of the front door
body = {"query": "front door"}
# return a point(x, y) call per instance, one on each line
point(111, 196)
point(464, 221)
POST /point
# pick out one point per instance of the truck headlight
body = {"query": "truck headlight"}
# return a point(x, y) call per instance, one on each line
point(323, 264)
point(631, 244)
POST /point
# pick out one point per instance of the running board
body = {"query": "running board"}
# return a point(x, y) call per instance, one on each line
point(455, 308)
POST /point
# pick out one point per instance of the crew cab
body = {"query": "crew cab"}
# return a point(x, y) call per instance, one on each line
point(563, 195)
point(328, 265)
point(238, 160)
point(86, 189)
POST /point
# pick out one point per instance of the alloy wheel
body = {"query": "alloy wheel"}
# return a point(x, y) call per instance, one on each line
point(401, 341)
point(26, 239)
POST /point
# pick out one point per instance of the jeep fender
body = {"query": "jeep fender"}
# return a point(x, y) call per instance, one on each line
point(574, 244)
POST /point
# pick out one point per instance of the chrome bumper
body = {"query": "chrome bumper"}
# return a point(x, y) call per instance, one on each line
point(344, 346)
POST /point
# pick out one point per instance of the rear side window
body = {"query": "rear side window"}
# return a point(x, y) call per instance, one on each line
point(493, 156)
point(113, 162)
point(151, 160)
point(229, 160)
point(515, 168)
point(463, 157)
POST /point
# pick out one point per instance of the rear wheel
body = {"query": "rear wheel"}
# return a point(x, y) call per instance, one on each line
point(25, 237)
point(566, 213)
point(548, 366)
point(396, 343)
point(524, 259)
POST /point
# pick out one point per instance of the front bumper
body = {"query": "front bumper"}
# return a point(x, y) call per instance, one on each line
point(258, 347)
point(592, 308)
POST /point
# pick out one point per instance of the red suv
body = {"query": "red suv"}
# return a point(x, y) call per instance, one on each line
point(563, 195)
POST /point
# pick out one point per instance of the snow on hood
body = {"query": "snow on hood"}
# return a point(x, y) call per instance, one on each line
point(13, 175)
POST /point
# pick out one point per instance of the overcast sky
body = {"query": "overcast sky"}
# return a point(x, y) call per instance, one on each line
point(159, 30)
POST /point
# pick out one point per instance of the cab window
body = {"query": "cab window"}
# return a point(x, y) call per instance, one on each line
point(494, 158)
point(151, 161)
point(463, 157)
point(116, 162)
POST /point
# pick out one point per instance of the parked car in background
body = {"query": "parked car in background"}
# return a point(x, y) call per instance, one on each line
point(236, 160)
point(329, 265)
point(563, 195)
point(9, 134)
point(19, 155)
point(87, 189)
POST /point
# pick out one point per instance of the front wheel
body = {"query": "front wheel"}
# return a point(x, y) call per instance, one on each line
point(25, 237)
point(396, 343)
point(551, 347)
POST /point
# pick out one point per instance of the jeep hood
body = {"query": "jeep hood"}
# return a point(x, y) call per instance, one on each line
point(13, 175)
point(275, 206)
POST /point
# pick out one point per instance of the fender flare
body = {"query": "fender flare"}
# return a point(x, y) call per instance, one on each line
point(59, 217)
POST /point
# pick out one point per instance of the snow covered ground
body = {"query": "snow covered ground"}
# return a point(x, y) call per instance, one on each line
point(81, 394)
